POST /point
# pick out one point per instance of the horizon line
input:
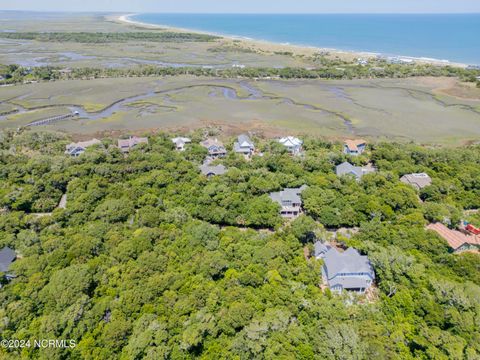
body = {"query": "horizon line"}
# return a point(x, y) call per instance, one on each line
point(234, 13)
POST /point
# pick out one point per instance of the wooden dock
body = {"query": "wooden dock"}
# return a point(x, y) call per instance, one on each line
point(51, 120)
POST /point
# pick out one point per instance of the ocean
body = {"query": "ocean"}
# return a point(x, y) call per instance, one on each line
point(452, 37)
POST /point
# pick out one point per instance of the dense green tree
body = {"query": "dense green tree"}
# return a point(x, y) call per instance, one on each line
point(152, 260)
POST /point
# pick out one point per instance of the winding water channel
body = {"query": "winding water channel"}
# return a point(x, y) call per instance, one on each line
point(228, 92)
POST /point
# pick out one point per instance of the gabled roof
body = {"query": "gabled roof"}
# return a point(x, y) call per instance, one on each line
point(288, 194)
point(7, 256)
point(211, 142)
point(353, 145)
point(420, 180)
point(75, 150)
point(454, 238)
point(347, 168)
point(290, 141)
point(214, 146)
point(243, 145)
point(358, 171)
point(321, 248)
point(212, 170)
point(349, 282)
point(181, 140)
point(349, 261)
point(132, 141)
point(81, 145)
point(245, 141)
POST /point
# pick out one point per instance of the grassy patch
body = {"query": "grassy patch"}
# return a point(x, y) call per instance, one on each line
point(115, 117)
point(92, 107)
point(21, 119)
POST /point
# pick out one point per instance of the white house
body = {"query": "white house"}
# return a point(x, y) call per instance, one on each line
point(180, 142)
point(293, 144)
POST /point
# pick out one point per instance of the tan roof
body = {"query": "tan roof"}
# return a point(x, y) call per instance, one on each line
point(131, 142)
point(84, 144)
point(353, 144)
point(214, 147)
point(211, 142)
point(419, 180)
point(454, 238)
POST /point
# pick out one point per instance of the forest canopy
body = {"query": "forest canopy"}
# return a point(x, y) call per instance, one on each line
point(152, 260)
point(108, 37)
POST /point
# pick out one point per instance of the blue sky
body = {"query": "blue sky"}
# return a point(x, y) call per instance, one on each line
point(249, 6)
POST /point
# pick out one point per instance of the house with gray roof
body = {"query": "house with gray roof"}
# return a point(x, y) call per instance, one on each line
point(244, 145)
point(345, 169)
point(347, 270)
point(290, 201)
point(212, 170)
point(320, 249)
point(215, 148)
point(418, 181)
point(7, 257)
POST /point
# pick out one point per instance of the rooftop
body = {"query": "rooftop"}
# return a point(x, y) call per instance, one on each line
point(354, 144)
point(243, 144)
point(349, 282)
point(181, 140)
point(419, 180)
point(358, 171)
point(290, 141)
point(82, 144)
point(207, 169)
point(454, 238)
point(289, 194)
point(132, 141)
point(211, 142)
point(7, 256)
point(244, 140)
point(321, 248)
point(350, 261)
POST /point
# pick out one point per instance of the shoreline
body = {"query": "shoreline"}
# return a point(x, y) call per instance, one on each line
point(299, 49)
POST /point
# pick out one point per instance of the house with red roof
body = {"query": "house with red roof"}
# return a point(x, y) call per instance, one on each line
point(457, 240)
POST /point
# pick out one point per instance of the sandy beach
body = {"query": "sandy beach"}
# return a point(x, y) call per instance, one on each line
point(272, 47)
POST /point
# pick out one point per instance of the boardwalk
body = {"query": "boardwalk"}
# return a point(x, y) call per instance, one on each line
point(51, 120)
